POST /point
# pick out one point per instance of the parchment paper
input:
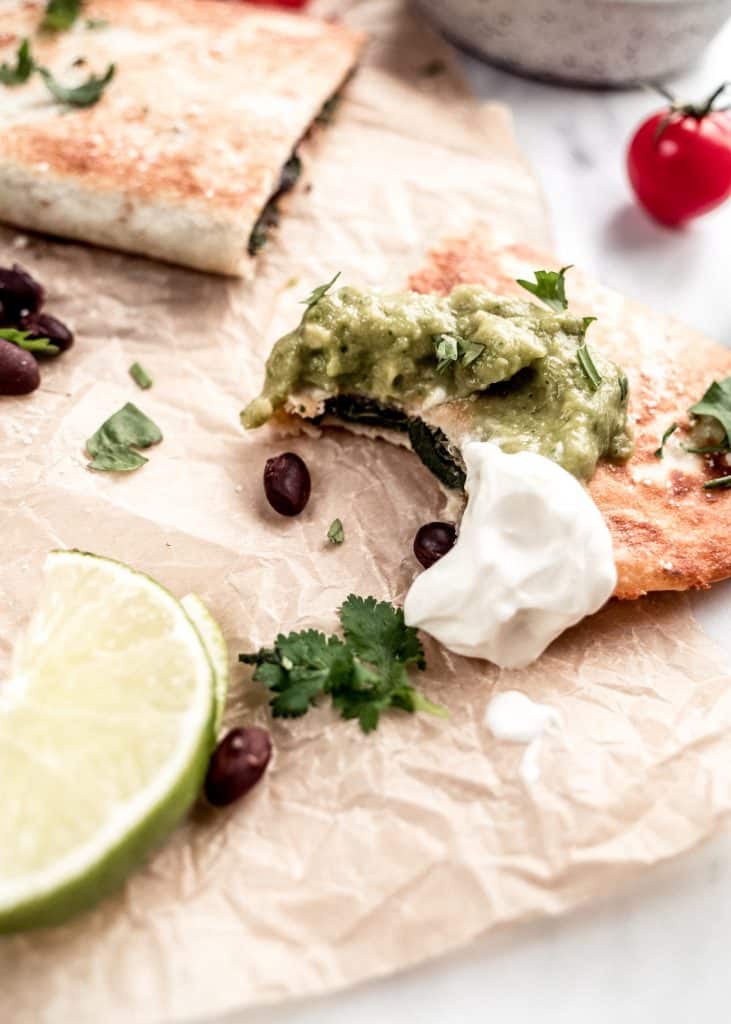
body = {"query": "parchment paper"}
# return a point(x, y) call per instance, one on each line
point(355, 856)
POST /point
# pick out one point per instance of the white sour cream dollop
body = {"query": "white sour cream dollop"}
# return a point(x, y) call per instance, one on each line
point(515, 718)
point(532, 558)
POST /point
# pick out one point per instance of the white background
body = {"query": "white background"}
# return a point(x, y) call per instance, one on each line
point(660, 953)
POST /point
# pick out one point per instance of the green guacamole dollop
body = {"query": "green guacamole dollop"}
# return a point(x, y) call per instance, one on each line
point(511, 373)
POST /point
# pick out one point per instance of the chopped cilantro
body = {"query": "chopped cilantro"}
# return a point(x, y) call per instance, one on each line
point(716, 402)
point(719, 483)
point(318, 293)
point(112, 447)
point(60, 15)
point(449, 349)
point(84, 95)
point(365, 674)
point(140, 376)
point(336, 533)
point(550, 287)
point(659, 452)
point(23, 340)
point(585, 359)
point(24, 67)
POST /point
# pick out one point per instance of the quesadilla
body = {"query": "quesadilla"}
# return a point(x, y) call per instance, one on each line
point(506, 370)
point(192, 143)
point(668, 532)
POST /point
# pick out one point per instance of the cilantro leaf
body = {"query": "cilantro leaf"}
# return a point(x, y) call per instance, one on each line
point(450, 349)
point(300, 668)
point(140, 376)
point(336, 533)
point(584, 356)
point(317, 293)
point(716, 403)
point(671, 430)
point(447, 351)
point(84, 95)
point(24, 66)
point(60, 15)
point(365, 674)
point(23, 340)
point(550, 287)
point(378, 634)
point(470, 351)
point(112, 447)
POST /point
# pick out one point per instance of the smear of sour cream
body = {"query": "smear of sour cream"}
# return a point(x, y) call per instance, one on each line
point(532, 558)
point(515, 718)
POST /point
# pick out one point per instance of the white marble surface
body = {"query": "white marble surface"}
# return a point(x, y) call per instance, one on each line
point(660, 951)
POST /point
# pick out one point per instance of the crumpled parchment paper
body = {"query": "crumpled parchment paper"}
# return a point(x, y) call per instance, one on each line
point(355, 856)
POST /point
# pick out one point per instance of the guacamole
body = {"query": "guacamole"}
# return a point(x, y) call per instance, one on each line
point(471, 366)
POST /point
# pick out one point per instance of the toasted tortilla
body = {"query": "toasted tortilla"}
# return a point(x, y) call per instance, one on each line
point(668, 533)
point(181, 155)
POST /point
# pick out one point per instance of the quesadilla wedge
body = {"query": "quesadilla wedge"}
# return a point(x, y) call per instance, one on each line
point(465, 356)
point(669, 531)
point(192, 141)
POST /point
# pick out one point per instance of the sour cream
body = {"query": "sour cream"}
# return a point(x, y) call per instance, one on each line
point(515, 718)
point(532, 558)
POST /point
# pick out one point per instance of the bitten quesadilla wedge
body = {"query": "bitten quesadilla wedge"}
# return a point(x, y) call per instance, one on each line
point(190, 142)
point(465, 356)
point(669, 532)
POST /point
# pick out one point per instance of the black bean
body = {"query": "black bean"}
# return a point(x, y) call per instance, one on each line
point(43, 325)
point(19, 294)
point(287, 484)
point(433, 541)
point(237, 764)
point(19, 374)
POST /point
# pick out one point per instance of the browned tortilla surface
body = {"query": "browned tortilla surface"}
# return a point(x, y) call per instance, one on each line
point(186, 146)
point(668, 532)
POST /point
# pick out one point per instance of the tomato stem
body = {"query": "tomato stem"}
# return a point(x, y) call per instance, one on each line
point(679, 110)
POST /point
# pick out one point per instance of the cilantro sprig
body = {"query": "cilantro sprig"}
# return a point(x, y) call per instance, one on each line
point(550, 287)
point(365, 674)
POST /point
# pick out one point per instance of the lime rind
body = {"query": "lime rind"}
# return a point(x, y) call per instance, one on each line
point(215, 644)
point(78, 880)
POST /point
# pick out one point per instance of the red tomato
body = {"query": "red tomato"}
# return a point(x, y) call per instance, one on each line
point(679, 161)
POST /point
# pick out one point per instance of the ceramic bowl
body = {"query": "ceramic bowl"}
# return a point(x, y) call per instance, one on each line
point(596, 42)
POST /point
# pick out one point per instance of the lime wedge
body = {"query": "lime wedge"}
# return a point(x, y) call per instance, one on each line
point(106, 726)
point(212, 637)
